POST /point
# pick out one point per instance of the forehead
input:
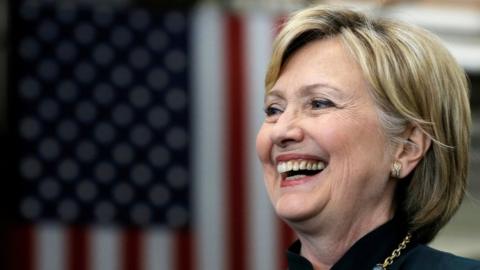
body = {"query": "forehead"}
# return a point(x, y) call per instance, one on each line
point(325, 62)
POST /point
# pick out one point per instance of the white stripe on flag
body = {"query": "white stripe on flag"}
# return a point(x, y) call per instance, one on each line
point(158, 249)
point(50, 247)
point(262, 245)
point(208, 140)
point(105, 248)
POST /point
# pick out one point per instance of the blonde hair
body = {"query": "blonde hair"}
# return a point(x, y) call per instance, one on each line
point(414, 81)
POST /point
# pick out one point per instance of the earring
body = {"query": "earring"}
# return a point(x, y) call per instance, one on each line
point(396, 167)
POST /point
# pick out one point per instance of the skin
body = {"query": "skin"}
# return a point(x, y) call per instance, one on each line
point(320, 108)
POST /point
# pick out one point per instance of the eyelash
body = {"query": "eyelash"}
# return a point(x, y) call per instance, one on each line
point(271, 110)
point(321, 104)
point(315, 104)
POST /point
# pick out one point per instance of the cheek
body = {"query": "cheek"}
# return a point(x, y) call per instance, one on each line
point(358, 152)
point(334, 137)
point(352, 134)
point(263, 147)
point(263, 144)
point(354, 147)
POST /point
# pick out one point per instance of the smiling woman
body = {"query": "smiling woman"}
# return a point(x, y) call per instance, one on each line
point(365, 142)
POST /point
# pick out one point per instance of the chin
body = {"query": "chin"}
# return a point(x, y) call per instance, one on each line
point(296, 208)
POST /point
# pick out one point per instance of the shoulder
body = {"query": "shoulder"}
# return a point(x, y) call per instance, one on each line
point(424, 257)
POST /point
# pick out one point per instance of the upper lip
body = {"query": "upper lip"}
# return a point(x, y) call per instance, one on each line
point(296, 156)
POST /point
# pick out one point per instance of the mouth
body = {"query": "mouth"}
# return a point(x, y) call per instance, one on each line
point(294, 172)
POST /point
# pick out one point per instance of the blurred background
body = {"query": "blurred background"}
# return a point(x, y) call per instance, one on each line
point(128, 129)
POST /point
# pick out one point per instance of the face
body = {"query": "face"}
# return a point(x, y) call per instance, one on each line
point(321, 146)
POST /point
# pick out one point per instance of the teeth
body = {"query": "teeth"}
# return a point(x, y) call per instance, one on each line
point(320, 166)
point(289, 166)
point(303, 165)
point(295, 165)
point(281, 167)
point(295, 177)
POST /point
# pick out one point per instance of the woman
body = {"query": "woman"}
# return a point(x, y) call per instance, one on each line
point(365, 142)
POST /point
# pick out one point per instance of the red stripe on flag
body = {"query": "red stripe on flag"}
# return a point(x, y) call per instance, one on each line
point(77, 248)
point(131, 249)
point(236, 167)
point(22, 253)
point(184, 254)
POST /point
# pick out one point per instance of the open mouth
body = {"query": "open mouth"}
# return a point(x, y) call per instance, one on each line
point(298, 169)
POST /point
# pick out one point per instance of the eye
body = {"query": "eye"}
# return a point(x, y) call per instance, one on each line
point(321, 104)
point(272, 110)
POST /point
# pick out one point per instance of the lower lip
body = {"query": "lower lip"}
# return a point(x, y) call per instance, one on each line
point(296, 182)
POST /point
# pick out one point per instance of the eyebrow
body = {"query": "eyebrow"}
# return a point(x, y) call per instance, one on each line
point(304, 90)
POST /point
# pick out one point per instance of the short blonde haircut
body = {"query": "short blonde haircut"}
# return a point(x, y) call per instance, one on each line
point(414, 80)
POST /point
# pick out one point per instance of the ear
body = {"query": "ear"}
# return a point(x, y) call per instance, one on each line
point(409, 153)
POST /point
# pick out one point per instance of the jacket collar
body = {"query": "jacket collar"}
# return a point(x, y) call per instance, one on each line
point(371, 249)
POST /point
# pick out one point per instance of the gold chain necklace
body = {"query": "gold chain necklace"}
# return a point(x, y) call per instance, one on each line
point(395, 254)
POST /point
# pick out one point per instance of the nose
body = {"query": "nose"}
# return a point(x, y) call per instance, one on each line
point(287, 130)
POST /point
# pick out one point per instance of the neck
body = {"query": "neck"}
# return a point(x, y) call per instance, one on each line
point(326, 245)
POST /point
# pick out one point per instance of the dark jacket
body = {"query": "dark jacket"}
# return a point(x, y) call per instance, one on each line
point(424, 257)
point(373, 248)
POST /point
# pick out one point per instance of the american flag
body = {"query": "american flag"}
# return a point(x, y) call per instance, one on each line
point(136, 130)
